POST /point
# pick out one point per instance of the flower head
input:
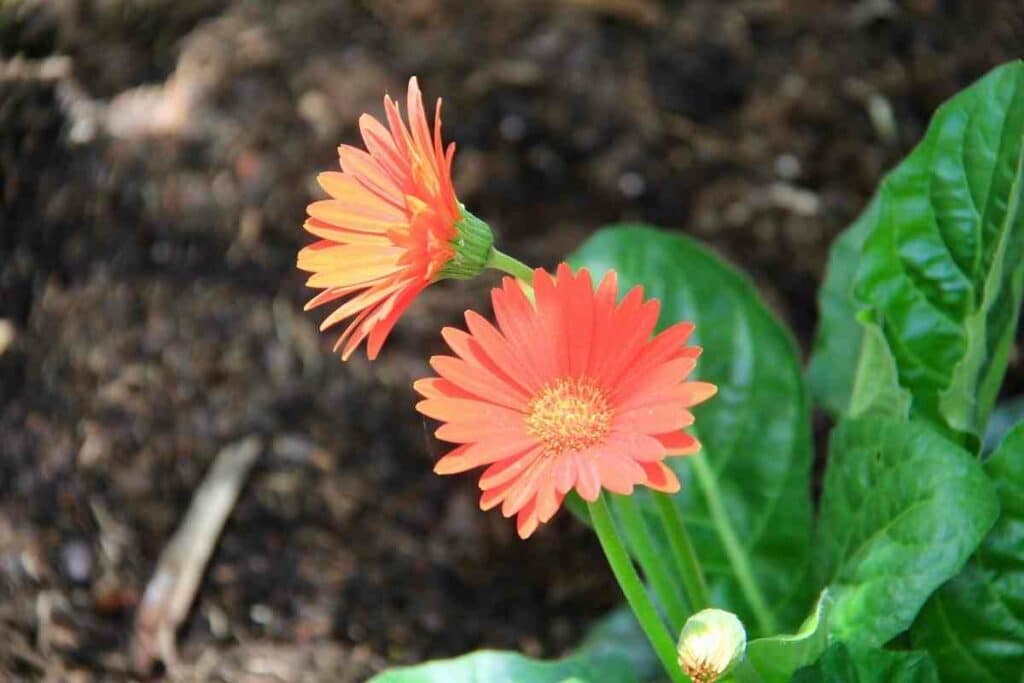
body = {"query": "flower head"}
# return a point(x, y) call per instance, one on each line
point(711, 641)
point(570, 391)
point(391, 227)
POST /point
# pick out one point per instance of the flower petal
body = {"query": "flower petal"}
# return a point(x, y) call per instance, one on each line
point(472, 455)
point(510, 467)
point(679, 443)
point(588, 482)
point(527, 520)
point(659, 477)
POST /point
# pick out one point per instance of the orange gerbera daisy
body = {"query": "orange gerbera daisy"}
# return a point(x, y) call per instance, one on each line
point(391, 227)
point(571, 391)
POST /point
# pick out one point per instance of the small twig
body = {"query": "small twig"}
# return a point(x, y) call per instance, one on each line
point(172, 588)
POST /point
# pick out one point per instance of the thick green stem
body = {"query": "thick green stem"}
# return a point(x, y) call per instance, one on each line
point(506, 264)
point(683, 552)
point(633, 588)
point(654, 563)
point(733, 550)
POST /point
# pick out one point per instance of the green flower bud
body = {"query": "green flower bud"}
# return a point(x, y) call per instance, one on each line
point(711, 641)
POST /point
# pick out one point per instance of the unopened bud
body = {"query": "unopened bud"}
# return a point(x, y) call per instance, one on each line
point(712, 640)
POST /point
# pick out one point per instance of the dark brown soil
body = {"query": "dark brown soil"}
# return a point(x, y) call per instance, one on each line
point(155, 160)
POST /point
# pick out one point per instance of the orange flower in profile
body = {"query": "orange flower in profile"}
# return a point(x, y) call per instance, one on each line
point(569, 392)
point(392, 226)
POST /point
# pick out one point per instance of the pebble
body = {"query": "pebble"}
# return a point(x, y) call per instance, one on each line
point(632, 184)
point(76, 557)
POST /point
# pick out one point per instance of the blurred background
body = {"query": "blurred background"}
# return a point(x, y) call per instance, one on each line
point(156, 157)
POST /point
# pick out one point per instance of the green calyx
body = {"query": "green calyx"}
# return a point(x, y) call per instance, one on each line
point(472, 243)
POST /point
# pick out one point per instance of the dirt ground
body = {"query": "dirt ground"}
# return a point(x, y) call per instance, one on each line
point(156, 157)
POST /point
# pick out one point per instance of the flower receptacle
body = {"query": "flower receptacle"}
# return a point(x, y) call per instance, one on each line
point(472, 247)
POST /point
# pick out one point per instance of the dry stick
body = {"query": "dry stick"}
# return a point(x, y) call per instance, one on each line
point(172, 588)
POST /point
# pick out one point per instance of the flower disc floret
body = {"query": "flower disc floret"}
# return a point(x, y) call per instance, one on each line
point(570, 414)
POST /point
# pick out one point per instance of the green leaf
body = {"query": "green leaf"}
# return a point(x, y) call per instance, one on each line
point(974, 625)
point(876, 388)
point(615, 650)
point(618, 635)
point(940, 270)
point(509, 667)
point(755, 432)
point(833, 363)
point(775, 659)
point(847, 663)
point(1004, 418)
point(901, 511)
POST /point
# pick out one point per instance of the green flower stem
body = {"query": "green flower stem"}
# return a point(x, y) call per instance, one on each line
point(733, 550)
point(656, 569)
point(506, 264)
point(633, 588)
point(683, 552)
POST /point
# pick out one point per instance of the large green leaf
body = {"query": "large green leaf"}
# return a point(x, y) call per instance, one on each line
point(837, 344)
point(846, 663)
point(757, 448)
point(974, 625)
point(774, 659)
point(616, 650)
point(901, 511)
point(489, 666)
point(619, 635)
point(941, 262)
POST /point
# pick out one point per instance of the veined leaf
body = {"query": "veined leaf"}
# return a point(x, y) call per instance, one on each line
point(901, 511)
point(509, 667)
point(876, 388)
point(616, 650)
point(974, 625)
point(833, 364)
point(755, 464)
point(618, 634)
point(942, 262)
point(776, 658)
point(849, 663)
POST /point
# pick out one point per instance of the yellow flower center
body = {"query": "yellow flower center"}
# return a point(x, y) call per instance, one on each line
point(569, 415)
